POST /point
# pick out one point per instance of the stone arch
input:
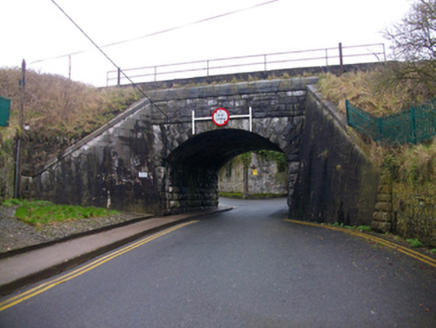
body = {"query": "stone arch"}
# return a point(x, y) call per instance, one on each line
point(192, 168)
point(213, 149)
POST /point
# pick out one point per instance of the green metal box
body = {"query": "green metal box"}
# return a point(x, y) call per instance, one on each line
point(5, 107)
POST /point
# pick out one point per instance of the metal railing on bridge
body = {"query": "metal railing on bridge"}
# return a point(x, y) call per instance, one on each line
point(264, 62)
point(413, 125)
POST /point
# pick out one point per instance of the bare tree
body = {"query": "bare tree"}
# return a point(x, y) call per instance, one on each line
point(414, 46)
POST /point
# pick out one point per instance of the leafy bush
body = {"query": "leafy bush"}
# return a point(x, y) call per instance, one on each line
point(364, 228)
point(414, 242)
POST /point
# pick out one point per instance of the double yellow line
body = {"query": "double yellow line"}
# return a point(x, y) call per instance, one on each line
point(416, 255)
point(46, 286)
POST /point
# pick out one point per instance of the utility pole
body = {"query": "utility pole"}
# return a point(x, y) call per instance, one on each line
point(22, 87)
point(22, 82)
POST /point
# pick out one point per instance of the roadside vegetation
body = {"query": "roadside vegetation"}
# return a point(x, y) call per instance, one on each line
point(408, 81)
point(371, 92)
point(411, 242)
point(57, 106)
point(38, 213)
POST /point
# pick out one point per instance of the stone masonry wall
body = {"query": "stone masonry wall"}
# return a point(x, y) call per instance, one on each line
point(270, 178)
point(414, 209)
point(188, 190)
point(337, 182)
point(382, 217)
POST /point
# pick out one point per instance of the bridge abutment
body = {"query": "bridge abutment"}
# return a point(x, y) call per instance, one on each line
point(189, 189)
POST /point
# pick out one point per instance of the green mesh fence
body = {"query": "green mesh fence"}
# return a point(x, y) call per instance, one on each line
point(411, 126)
point(5, 105)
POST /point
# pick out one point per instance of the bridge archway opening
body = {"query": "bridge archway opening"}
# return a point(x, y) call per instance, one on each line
point(212, 149)
point(193, 166)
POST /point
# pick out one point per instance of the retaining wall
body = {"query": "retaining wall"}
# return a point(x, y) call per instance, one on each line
point(337, 182)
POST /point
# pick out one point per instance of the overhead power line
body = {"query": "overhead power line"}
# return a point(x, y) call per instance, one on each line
point(108, 58)
point(189, 24)
point(158, 32)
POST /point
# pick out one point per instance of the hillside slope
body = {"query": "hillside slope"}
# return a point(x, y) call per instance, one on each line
point(58, 111)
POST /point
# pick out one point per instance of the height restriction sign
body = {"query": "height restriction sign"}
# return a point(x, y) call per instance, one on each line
point(220, 116)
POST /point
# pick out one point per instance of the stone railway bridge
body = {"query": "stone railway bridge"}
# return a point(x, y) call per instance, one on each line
point(150, 158)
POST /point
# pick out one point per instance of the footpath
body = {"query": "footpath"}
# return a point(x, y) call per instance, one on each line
point(31, 266)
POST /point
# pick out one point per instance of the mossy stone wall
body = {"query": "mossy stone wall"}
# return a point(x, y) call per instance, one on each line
point(382, 216)
point(265, 176)
point(415, 211)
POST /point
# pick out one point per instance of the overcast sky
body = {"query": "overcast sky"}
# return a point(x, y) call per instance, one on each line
point(36, 29)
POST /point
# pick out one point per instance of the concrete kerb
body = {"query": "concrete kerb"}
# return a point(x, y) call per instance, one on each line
point(11, 279)
point(70, 237)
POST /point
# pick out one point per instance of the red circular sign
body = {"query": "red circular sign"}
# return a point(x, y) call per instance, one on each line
point(220, 116)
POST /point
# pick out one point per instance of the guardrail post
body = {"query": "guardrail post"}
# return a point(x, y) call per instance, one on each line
point(341, 63)
point(119, 77)
point(193, 122)
point(207, 68)
point(155, 73)
point(264, 62)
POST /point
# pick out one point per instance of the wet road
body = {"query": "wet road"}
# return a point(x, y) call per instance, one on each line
point(243, 268)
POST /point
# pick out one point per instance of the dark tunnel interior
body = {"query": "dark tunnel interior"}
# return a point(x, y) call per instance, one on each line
point(212, 149)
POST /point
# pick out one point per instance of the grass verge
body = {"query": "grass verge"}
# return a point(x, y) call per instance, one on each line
point(361, 227)
point(38, 213)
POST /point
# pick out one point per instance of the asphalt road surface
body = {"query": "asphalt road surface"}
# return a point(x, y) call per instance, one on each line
point(242, 268)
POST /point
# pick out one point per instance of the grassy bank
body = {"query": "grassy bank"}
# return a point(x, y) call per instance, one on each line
point(376, 93)
point(38, 213)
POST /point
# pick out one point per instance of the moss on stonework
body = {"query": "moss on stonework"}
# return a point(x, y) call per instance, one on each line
point(415, 211)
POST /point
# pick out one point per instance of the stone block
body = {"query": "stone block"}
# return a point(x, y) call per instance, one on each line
point(383, 206)
point(293, 167)
point(382, 216)
point(384, 198)
point(385, 179)
point(385, 189)
point(296, 93)
point(382, 227)
point(212, 102)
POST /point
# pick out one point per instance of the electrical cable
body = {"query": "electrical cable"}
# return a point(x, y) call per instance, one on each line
point(110, 60)
point(189, 24)
point(158, 32)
